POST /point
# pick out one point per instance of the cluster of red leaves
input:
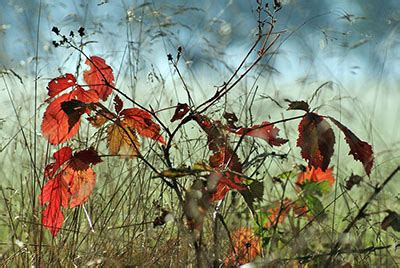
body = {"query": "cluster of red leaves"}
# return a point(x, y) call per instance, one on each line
point(71, 181)
point(71, 178)
point(224, 160)
point(126, 123)
point(60, 124)
point(247, 246)
point(316, 140)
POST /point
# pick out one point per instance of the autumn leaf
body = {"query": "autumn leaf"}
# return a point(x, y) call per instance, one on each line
point(224, 160)
point(74, 109)
point(180, 111)
point(99, 77)
point(316, 140)
point(55, 124)
point(224, 181)
point(298, 105)
point(122, 139)
point(60, 84)
point(81, 184)
point(141, 121)
point(71, 181)
point(278, 212)
point(359, 149)
point(247, 246)
point(118, 104)
point(265, 131)
point(56, 195)
point(313, 174)
point(61, 119)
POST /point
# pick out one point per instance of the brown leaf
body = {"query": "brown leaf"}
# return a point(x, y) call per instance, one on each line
point(180, 111)
point(353, 180)
point(299, 105)
point(122, 140)
point(391, 220)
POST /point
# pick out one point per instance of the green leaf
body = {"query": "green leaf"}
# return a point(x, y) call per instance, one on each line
point(314, 205)
point(316, 188)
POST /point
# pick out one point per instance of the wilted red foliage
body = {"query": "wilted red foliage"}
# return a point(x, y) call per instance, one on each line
point(316, 140)
point(247, 247)
point(181, 110)
point(359, 149)
point(224, 160)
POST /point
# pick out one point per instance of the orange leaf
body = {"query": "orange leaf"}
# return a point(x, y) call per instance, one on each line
point(69, 184)
point(247, 247)
point(225, 182)
point(99, 77)
point(316, 175)
point(281, 209)
point(81, 183)
point(122, 139)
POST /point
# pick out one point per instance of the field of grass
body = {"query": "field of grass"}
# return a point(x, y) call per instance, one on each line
point(160, 207)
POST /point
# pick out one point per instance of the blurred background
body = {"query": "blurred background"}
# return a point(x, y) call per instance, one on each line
point(351, 47)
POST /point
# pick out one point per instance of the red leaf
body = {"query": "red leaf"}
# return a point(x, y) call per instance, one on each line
point(181, 110)
point(74, 109)
point(55, 124)
point(265, 131)
point(56, 195)
point(60, 84)
point(224, 158)
point(225, 182)
point(316, 175)
point(69, 185)
point(81, 184)
point(359, 149)
point(99, 77)
point(118, 104)
point(86, 96)
point(316, 140)
point(142, 122)
point(61, 156)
